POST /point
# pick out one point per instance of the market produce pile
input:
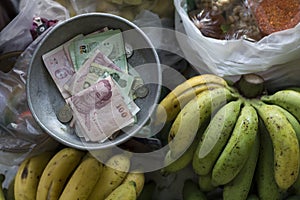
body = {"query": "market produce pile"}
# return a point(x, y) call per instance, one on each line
point(237, 136)
point(235, 19)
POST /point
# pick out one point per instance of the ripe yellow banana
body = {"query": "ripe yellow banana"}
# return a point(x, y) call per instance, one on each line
point(238, 148)
point(113, 174)
point(57, 171)
point(124, 191)
point(82, 180)
point(191, 191)
point(205, 183)
point(265, 179)
point(138, 177)
point(240, 186)
point(195, 114)
point(287, 99)
point(28, 176)
point(171, 105)
point(285, 144)
point(215, 137)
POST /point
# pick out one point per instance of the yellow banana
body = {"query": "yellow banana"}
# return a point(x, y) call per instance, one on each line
point(265, 180)
point(285, 144)
point(125, 191)
point(205, 183)
point(215, 137)
point(82, 180)
point(138, 177)
point(240, 186)
point(191, 191)
point(287, 99)
point(238, 148)
point(28, 176)
point(57, 171)
point(114, 172)
point(195, 114)
point(171, 105)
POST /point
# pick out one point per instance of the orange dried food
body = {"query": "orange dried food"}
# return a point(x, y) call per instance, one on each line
point(277, 15)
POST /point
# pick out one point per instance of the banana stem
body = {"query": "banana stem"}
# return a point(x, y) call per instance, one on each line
point(250, 85)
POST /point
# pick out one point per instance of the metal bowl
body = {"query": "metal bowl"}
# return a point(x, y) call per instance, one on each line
point(44, 98)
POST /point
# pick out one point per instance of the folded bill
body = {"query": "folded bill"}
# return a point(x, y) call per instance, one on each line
point(100, 110)
point(59, 68)
point(78, 81)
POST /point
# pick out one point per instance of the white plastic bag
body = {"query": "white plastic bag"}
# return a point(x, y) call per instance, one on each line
point(235, 57)
point(16, 35)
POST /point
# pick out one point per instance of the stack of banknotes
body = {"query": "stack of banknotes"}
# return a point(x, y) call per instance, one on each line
point(92, 74)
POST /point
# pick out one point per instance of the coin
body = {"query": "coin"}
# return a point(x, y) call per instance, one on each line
point(65, 114)
point(141, 92)
point(138, 82)
point(128, 50)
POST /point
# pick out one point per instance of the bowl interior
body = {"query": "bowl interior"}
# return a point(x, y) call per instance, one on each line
point(44, 98)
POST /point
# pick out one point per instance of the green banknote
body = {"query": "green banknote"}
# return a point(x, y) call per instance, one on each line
point(110, 43)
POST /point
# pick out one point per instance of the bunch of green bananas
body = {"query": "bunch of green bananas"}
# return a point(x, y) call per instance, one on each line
point(235, 136)
point(75, 174)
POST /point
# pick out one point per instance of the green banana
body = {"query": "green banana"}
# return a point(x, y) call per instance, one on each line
point(240, 186)
point(28, 176)
point(56, 173)
point(238, 148)
point(124, 191)
point(285, 145)
point(148, 190)
point(252, 197)
point(264, 177)
point(287, 99)
point(296, 126)
point(138, 177)
point(10, 193)
point(113, 174)
point(195, 114)
point(295, 197)
point(297, 89)
point(205, 183)
point(191, 191)
point(215, 137)
point(174, 165)
point(2, 196)
point(82, 180)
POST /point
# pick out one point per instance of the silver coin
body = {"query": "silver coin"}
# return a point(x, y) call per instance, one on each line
point(65, 114)
point(141, 92)
point(138, 82)
point(128, 50)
